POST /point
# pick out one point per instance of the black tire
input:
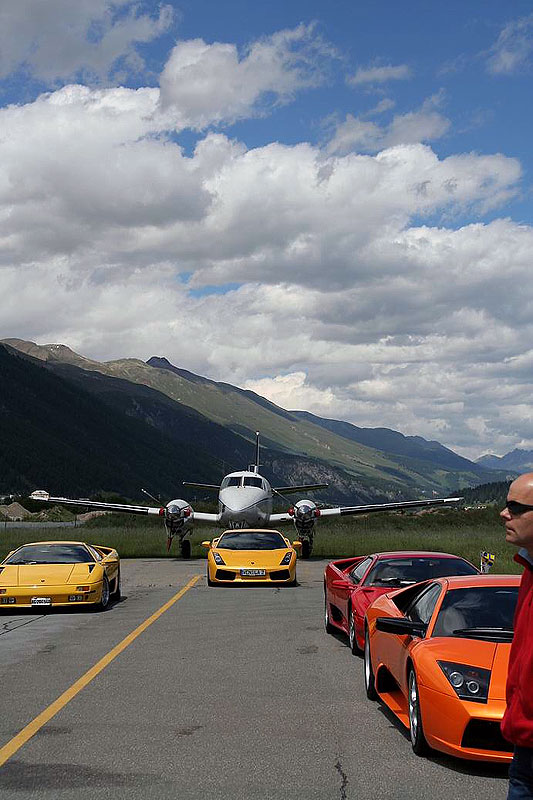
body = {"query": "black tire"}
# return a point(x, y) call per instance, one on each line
point(354, 647)
point(185, 547)
point(209, 581)
point(104, 600)
point(416, 729)
point(306, 548)
point(370, 681)
point(117, 594)
point(327, 624)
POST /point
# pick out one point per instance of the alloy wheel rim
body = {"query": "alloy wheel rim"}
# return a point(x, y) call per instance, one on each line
point(326, 614)
point(413, 715)
point(367, 662)
point(351, 630)
point(105, 593)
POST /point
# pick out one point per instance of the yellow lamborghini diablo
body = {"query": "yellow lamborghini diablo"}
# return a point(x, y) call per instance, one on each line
point(45, 574)
point(251, 556)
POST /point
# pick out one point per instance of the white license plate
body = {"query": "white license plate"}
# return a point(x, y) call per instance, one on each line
point(41, 601)
point(253, 573)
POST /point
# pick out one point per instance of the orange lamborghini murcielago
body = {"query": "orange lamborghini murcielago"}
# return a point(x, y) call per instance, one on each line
point(437, 655)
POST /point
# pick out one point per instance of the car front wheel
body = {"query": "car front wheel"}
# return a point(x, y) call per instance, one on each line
point(104, 598)
point(327, 624)
point(370, 686)
point(418, 740)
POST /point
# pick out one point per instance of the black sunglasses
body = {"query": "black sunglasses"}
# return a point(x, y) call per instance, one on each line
point(515, 508)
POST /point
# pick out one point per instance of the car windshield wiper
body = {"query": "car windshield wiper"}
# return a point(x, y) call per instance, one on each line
point(505, 633)
point(394, 582)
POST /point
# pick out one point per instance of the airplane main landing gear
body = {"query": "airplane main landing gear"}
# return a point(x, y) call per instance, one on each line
point(185, 547)
point(307, 548)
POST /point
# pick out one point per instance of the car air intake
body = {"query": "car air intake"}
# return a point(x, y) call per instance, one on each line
point(225, 575)
point(481, 734)
point(280, 575)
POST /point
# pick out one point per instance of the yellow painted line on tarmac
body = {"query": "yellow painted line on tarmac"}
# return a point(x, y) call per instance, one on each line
point(45, 716)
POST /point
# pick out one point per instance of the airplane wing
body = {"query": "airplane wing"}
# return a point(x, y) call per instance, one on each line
point(344, 510)
point(212, 486)
point(201, 516)
point(129, 509)
point(368, 509)
point(308, 487)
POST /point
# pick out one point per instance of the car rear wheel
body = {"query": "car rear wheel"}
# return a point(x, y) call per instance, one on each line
point(104, 599)
point(370, 680)
point(418, 740)
point(354, 647)
point(327, 624)
point(117, 592)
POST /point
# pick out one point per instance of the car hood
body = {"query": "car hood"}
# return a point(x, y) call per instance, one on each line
point(493, 656)
point(46, 574)
point(252, 558)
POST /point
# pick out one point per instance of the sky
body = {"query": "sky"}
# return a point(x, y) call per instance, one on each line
point(329, 203)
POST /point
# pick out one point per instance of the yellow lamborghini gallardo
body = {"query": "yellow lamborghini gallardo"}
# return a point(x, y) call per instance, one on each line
point(251, 556)
point(44, 574)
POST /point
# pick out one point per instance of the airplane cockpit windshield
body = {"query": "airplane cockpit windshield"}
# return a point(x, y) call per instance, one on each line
point(253, 482)
point(238, 480)
point(231, 480)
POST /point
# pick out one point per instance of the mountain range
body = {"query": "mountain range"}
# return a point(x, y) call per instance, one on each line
point(75, 425)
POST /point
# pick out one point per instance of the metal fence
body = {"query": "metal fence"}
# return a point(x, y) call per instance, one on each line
point(8, 524)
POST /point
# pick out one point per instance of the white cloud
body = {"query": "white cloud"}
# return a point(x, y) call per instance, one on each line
point(349, 305)
point(513, 50)
point(60, 39)
point(358, 134)
point(380, 74)
point(211, 83)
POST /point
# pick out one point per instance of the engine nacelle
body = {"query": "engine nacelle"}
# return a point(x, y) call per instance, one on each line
point(179, 517)
point(305, 514)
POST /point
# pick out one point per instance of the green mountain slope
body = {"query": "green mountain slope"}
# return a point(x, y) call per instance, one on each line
point(375, 471)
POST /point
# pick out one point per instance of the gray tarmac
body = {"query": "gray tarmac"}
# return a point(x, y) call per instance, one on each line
point(232, 693)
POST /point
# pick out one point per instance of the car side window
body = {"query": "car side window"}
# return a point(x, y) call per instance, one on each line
point(95, 554)
point(359, 570)
point(422, 607)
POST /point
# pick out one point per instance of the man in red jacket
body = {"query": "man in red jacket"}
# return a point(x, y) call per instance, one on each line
point(517, 723)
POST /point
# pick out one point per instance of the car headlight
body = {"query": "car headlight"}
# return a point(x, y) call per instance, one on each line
point(469, 683)
point(218, 558)
point(286, 559)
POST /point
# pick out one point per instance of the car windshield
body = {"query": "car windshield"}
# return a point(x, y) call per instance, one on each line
point(50, 554)
point(404, 571)
point(264, 540)
point(477, 612)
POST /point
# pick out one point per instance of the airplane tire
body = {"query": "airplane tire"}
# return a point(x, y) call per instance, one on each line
point(185, 548)
point(306, 548)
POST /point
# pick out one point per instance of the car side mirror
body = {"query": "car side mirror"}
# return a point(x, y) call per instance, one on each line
point(297, 545)
point(207, 545)
point(401, 626)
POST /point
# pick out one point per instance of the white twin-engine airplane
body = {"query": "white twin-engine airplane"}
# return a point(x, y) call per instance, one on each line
point(245, 500)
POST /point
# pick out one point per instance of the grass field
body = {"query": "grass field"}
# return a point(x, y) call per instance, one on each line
point(465, 533)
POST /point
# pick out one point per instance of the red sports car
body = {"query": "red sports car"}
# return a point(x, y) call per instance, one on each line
point(352, 584)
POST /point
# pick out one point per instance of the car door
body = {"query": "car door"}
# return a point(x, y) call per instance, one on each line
point(419, 610)
point(354, 577)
